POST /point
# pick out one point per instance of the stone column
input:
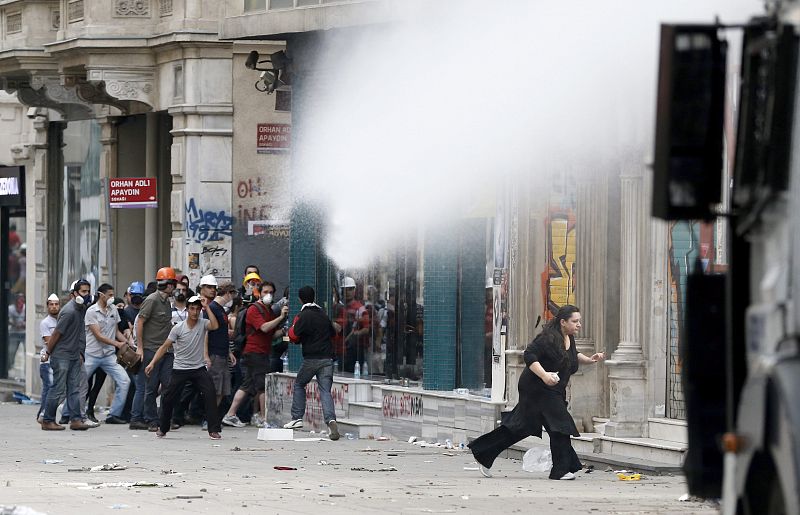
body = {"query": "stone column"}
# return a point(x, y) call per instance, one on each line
point(586, 387)
point(628, 414)
point(34, 158)
point(150, 249)
point(108, 169)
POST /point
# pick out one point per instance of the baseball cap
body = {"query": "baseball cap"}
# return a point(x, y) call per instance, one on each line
point(53, 297)
point(194, 300)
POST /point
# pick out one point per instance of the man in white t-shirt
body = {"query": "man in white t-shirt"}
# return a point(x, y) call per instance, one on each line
point(103, 338)
point(189, 339)
point(46, 327)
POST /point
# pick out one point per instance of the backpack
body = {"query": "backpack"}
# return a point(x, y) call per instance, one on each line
point(240, 330)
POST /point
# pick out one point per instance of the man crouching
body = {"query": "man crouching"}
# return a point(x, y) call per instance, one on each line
point(190, 341)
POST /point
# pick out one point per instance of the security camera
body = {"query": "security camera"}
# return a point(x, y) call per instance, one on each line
point(34, 112)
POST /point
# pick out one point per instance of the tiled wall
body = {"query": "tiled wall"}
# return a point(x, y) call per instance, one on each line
point(473, 302)
point(441, 278)
point(303, 253)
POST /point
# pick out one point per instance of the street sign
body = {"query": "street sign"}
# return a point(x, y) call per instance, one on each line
point(132, 192)
point(273, 138)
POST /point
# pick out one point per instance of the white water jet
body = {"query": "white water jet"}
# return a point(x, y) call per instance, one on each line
point(428, 114)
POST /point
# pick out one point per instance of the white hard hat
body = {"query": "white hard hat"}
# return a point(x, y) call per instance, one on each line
point(53, 297)
point(208, 280)
point(348, 282)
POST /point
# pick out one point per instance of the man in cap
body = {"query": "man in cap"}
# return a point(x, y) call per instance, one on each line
point(218, 342)
point(260, 326)
point(46, 327)
point(103, 337)
point(64, 349)
point(189, 340)
point(152, 328)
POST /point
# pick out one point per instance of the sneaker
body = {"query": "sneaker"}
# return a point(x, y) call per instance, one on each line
point(233, 421)
point(204, 425)
point(112, 419)
point(91, 423)
point(159, 434)
point(257, 421)
point(91, 417)
point(215, 436)
point(63, 420)
point(568, 476)
point(152, 428)
point(40, 419)
point(484, 471)
point(138, 424)
point(294, 424)
point(174, 426)
point(334, 427)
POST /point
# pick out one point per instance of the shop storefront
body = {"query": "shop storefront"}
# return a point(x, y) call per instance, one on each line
point(13, 249)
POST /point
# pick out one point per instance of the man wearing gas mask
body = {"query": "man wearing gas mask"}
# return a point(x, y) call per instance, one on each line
point(64, 349)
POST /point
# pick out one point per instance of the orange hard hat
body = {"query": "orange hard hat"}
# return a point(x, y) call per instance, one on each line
point(165, 274)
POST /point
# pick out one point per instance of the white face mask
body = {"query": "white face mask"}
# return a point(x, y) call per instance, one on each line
point(267, 298)
point(229, 304)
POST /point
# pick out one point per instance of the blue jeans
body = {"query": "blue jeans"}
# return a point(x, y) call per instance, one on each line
point(159, 377)
point(109, 365)
point(66, 382)
point(46, 373)
point(83, 391)
point(137, 408)
point(323, 369)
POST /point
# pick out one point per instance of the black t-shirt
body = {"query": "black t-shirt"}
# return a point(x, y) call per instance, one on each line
point(124, 322)
point(218, 339)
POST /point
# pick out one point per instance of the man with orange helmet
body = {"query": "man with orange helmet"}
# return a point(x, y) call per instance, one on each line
point(152, 329)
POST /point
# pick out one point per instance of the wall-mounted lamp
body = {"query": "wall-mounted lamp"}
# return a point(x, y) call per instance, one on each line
point(270, 78)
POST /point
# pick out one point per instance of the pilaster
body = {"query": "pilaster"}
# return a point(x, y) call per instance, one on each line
point(627, 366)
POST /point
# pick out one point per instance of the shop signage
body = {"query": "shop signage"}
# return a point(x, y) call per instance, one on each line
point(12, 186)
point(273, 138)
point(132, 192)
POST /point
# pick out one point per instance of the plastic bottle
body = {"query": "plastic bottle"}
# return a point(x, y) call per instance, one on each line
point(285, 360)
point(365, 370)
point(357, 371)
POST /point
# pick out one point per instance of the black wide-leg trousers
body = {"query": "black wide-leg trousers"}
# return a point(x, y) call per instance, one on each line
point(488, 447)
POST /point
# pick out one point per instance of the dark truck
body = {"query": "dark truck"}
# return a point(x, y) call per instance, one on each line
point(741, 366)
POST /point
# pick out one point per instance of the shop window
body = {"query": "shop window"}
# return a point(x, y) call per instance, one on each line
point(255, 5)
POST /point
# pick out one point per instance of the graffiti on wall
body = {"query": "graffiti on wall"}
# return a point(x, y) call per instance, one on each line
point(279, 391)
point(689, 243)
point(207, 225)
point(252, 206)
point(404, 407)
point(558, 279)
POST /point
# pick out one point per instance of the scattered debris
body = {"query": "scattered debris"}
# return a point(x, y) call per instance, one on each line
point(412, 439)
point(138, 484)
point(171, 472)
point(628, 477)
point(18, 510)
point(364, 469)
point(119, 506)
point(589, 469)
point(323, 462)
point(250, 449)
point(280, 467)
point(188, 496)
point(448, 454)
point(100, 468)
point(336, 495)
point(382, 438)
point(465, 497)
point(471, 468)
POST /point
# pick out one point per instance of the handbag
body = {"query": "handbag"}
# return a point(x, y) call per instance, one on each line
point(128, 358)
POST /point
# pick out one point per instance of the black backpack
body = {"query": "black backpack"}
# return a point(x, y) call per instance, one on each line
point(240, 331)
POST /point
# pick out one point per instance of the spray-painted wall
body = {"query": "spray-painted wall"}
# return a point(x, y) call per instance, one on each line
point(688, 242)
point(261, 197)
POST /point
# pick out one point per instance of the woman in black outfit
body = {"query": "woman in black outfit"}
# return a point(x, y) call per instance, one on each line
point(543, 398)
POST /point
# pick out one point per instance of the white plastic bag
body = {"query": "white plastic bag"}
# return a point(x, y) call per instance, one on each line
point(537, 459)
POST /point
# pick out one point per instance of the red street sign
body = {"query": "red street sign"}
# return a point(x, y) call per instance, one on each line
point(273, 137)
point(132, 192)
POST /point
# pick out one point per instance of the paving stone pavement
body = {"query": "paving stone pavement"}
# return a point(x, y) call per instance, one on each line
point(207, 476)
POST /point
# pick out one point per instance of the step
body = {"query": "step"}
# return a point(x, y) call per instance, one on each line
point(377, 393)
point(372, 411)
point(598, 459)
point(359, 427)
point(649, 449)
point(668, 429)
